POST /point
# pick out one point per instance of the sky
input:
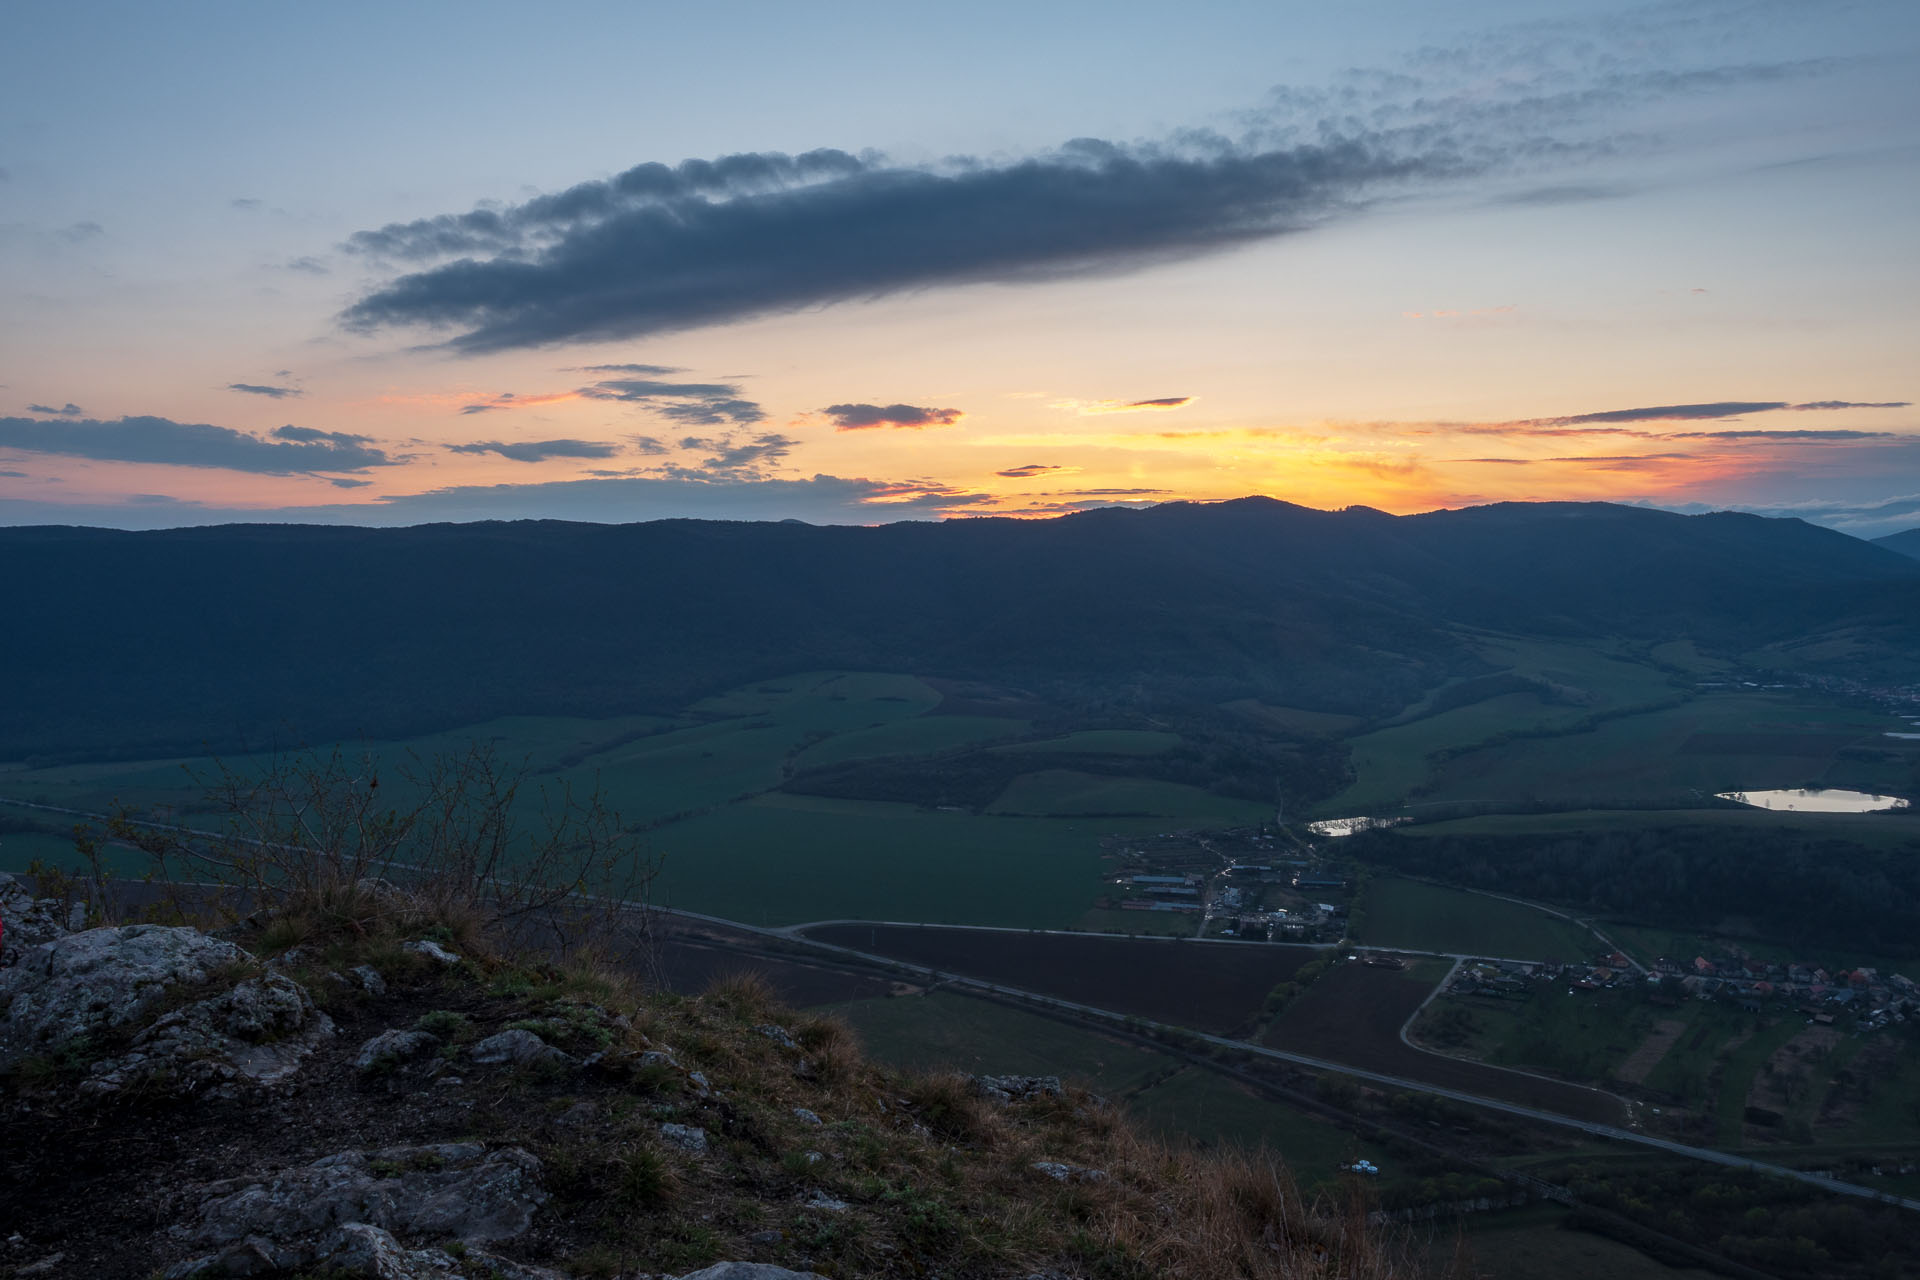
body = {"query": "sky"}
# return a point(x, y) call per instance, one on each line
point(856, 263)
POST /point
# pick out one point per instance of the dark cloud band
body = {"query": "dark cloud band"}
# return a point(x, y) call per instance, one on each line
point(856, 417)
point(539, 450)
point(286, 450)
point(658, 249)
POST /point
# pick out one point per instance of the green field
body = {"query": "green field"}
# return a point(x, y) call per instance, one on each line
point(1067, 793)
point(1103, 742)
point(1198, 1104)
point(1180, 1102)
point(1883, 829)
point(1531, 1244)
point(1713, 742)
point(1425, 917)
point(781, 859)
point(1584, 724)
point(944, 1030)
point(1565, 685)
point(702, 787)
point(920, 736)
point(1582, 1036)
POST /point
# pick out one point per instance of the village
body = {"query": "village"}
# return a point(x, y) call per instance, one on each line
point(1860, 998)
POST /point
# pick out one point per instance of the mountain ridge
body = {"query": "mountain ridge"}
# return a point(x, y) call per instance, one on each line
point(239, 633)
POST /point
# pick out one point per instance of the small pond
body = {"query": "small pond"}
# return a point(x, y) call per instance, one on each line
point(1816, 800)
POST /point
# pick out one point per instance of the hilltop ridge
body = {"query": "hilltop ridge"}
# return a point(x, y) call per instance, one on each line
point(237, 635)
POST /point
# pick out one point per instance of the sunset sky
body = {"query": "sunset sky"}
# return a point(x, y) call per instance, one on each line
point(854, 263)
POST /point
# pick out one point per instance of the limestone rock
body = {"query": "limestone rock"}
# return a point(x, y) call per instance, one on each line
point(259, 1030)
point(779, 1035)
point(81, 984)
point(1018, 1088)
point(29, 921)
point(749, 1271)
point(431, 950)
point(393, 1047)
point(686, 1137)
point(1062, 1172)
point(519, 1047)
point(457, 1190)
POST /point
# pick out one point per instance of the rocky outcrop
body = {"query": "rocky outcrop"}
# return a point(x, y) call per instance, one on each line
point(82, 984)
point(67, 994)
point(390, 1049)
point(1018, 1088)
point(29, 921)
point(517, 1047)
point(347, 1213)
point(259, 1031)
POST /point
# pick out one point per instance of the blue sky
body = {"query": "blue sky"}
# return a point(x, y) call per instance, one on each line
point(1046, 258)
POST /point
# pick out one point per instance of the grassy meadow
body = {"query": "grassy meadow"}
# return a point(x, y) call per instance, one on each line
point(702, 787)
point(1428, 917)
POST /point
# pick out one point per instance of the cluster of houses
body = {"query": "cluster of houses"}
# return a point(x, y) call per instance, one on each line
point(1819, 993)
point(1873, 1001)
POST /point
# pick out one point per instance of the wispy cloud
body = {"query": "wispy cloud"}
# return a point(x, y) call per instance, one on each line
point(1158, 404)
point(1034, 469)
point(261, 389)
point(67, 410)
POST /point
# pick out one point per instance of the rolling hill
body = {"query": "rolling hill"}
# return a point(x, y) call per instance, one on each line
point(121, 642)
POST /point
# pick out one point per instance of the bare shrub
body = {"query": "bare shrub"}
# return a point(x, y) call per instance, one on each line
point(458, 846)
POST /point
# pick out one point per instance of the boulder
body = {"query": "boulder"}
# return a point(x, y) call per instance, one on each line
point(431, 950)
point(446, 1191)
point(257, 1032)
point(685, 1136)
point(391, 1048)
point(79, 985)
point(1018, 1088)
point(519, 1047)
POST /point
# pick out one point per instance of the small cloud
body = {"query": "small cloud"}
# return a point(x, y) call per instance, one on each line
point(1782, 435)
point(639, 370)
point(697, 404)
point(649, 445)
point(313, 435)
point(342, 482)
point(13, 475)
point(67, 410)
point(539, 450)
point(858, 417)
point(1699, 290)
point(1815, 405)
point(309, 265)
point(258, 389)
point(244, 202)
point(1031, 469)
point(1154, 405)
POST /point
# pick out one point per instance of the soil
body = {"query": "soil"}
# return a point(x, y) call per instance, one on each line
point(1353, 1015)
point(1214, 987)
